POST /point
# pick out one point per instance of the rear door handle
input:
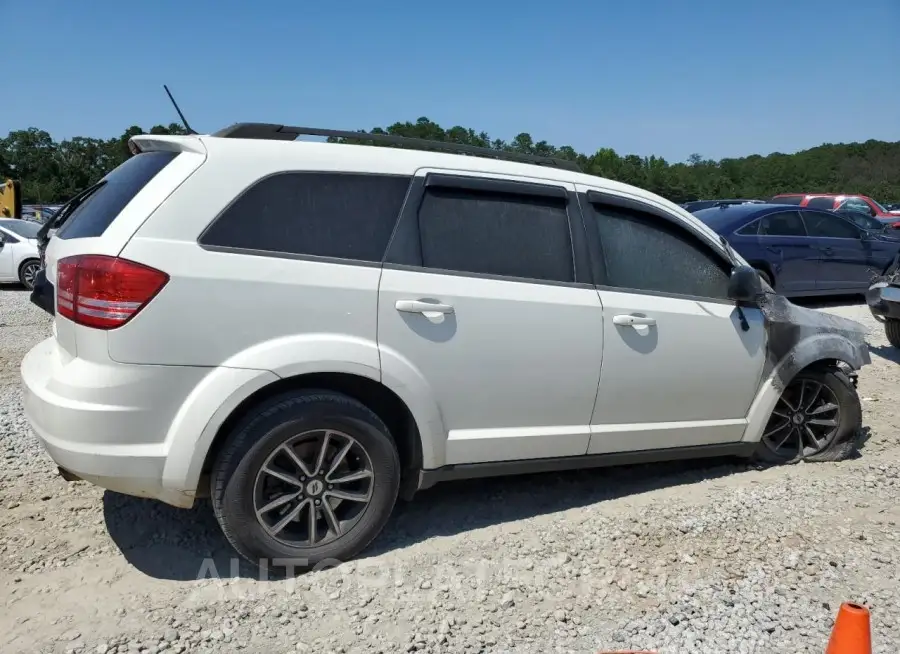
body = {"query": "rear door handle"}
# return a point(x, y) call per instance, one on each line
point(773, 249)
point(428, 309)
point(628, 320)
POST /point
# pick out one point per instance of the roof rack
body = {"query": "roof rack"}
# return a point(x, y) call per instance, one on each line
point(287, 133)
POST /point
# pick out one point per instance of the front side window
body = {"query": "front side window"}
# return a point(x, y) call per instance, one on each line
point(824, 225)
point(786, 223)
point(502, 234)
point(338, 215)
point(645, 253)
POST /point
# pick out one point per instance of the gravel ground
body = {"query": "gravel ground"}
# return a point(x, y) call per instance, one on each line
point(694, 558)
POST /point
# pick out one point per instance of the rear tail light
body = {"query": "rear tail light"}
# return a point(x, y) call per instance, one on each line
point(104, 292)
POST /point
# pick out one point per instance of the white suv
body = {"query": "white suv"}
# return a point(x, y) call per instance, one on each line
point(306, 330)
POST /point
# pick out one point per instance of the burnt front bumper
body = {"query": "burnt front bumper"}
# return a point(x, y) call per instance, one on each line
point(884, 301)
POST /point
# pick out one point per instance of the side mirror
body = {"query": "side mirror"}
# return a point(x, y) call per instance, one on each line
point(744, 285)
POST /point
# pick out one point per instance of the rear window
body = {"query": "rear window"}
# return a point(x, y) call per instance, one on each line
point(121, 185)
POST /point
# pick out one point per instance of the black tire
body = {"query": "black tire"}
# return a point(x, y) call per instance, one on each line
point(766, 277)
point(248, 447)
point(844, 440)
point(27, 271)
point(892, 331)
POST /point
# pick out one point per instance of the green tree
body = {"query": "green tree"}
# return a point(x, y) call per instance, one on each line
point(53, 171)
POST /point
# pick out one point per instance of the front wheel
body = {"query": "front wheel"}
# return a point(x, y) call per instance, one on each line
point(309, 477)
point(817, 418)
point(892, 331)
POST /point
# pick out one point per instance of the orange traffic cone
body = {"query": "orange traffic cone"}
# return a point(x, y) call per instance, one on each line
point(851, 633)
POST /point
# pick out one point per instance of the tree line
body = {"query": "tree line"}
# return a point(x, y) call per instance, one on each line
point(52, 171)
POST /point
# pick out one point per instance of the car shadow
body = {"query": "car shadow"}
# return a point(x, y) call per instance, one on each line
point(176, 544)
point(829, 302)
point(886, 352)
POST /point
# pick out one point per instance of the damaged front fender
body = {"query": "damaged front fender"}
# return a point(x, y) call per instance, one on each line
point(796, 338)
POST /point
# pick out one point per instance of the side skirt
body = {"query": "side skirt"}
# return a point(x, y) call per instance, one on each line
point(428, 478)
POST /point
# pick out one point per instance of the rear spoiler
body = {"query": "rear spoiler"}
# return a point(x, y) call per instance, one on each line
point(165, 143)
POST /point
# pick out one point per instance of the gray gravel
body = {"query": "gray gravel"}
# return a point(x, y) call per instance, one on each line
point(695, 558)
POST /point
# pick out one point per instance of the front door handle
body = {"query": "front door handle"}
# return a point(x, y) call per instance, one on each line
point(628, 320)
point(428, 309)
point(773, 249)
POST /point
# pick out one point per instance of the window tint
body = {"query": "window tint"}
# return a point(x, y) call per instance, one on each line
point(863, 220)
point(119, 187)
point(787, 223)
point(751, 229)
point(821, 203)
point(346, 216)
point(496, 234)
point(24, 228)
point(829, 226)
point(645, 253)
point(787, 199)
point(7, 238)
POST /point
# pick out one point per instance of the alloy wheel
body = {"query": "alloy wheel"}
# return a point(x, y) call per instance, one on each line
point(314, 488)
point(805, 420)
point(29, 272)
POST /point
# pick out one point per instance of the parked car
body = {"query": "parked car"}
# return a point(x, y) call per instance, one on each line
point(801, 251)
point(883, 298)
point(697, 205)
point(870, 224)
point(18, 251)
point(838, 202)
point(893, 209)
point(306, 331)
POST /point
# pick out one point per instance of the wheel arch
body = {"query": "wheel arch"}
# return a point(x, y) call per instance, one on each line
point(25, 260)
point(822, 350)
point(376, 396)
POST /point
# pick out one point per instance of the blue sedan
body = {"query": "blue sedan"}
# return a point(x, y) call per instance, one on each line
point(804, 252)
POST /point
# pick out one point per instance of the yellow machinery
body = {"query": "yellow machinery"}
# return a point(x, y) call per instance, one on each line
point(10, 199)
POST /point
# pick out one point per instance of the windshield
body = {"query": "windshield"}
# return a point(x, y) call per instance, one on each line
point(23, 228)
point(880, 208)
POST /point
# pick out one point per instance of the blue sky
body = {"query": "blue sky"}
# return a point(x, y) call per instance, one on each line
point(664, 77)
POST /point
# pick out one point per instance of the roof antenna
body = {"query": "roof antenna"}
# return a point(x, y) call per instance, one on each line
point(189, 129)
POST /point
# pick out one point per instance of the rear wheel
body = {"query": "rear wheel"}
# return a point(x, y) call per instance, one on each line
point(892, 330)
point(817, 418)
point(308, 478)
point(28, 271)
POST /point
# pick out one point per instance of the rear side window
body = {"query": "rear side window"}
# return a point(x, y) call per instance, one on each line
point(786, 223)
point(100, 209)
point(821, 203)
point(646, 253)
point(496, 234)
point(336, 215)
point(787, 199)
point(750, 229)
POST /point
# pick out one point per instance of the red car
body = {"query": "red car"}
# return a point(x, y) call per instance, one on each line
point(839, 202)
